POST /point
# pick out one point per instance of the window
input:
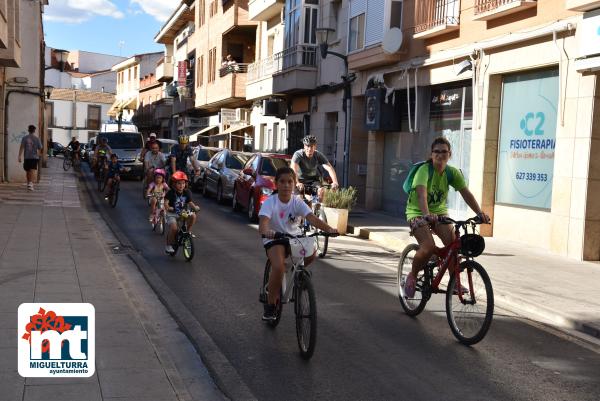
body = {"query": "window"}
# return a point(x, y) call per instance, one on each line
point(135, 72)
point(213, 8)
point(394, 18)
point(212, 64)
point(310, 24)
point(200, 70)
point(356, 39)
point(93, 117)
point(129, 74)
point(202, 7)
point(18, 21)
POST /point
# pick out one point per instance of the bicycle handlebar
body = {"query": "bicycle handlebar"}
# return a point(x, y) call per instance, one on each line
point(279, 235)
point(472, 220)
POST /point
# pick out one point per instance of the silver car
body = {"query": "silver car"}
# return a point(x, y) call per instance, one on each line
point(221, 172)
point(202, 154)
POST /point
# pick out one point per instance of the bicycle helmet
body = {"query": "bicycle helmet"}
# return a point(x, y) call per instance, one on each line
point(179, 176)
point(472, 245)
point(184, 139)
point(160, 171)
point(309, 140)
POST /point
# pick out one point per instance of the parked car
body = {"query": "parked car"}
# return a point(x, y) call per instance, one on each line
point(203, 154)
point(221, 172)
point(256, 182)
point(128, 146)
point(58, 149)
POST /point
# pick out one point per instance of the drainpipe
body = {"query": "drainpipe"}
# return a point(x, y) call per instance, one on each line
point(560, 78)
point(474, 100)
point(416, 101)
point(408, 101)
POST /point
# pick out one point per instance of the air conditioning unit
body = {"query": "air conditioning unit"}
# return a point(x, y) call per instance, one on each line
point(275, 108)
point(241, 115)
point(379, 115)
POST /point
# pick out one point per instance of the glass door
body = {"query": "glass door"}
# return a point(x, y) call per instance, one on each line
point(460, 140)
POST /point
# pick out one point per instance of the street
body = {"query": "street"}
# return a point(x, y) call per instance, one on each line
point(367, 348)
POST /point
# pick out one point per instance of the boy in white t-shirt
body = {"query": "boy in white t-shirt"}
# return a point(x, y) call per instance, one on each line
point(281, 212)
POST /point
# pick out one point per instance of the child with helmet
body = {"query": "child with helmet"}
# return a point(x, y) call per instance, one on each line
point(177, 199)
point(156, 190)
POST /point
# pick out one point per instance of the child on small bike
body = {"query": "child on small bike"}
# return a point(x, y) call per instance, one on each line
point(282, 212)
point(156, 191)
point(428, 199)
point(176, 200)
point(113, 168)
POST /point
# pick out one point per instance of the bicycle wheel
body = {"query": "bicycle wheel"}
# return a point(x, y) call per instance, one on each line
point(161, 224)
point(264, 297)
point(471, 318)
point(115, 195)
point(415, 305)
point(144, 187)
point(101, 181)
point(67, 163)
point(322, 241)
point(306, 316)
point(188, 247)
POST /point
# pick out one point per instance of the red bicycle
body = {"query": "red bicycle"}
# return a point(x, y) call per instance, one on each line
point(469, 294)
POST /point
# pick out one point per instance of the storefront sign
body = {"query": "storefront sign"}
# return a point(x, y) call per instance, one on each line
point(449, 101)
point(181, 73)
point(588, 34)
point(528, 139)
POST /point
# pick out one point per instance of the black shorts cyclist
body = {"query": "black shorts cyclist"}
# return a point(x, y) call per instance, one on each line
point(306, 163)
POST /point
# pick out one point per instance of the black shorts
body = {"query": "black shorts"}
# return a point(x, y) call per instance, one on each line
point(281, 241)
point(30, 164)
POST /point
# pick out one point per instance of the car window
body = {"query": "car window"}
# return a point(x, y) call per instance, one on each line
point(215, 159)
point(205, 154)
point(255, 162)
point(270, 165)
point(235, 161)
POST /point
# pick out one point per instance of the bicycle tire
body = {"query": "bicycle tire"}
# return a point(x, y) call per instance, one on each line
point(465, 315)
point(115, 195)
point(188, 247)
point(66, 163)
point(263, 297)
point(101, 181)
point(412, 306)
point(322, 241)
point(144, 187)
point(306, 316)
point(161, 224)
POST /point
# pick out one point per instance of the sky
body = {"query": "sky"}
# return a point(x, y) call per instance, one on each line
point(117, 27)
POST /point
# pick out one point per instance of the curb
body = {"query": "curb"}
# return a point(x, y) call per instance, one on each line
point(518, 306)
point(223, 373)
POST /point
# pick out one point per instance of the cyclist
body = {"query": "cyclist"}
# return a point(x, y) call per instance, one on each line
point(306, 163)
point(180, 154)
point(281, 212)
point(148, 146)
point(156, 190)
point(427, 201)
point(101, 151)
point(113, 168)
point(176, 200)
point(153, 160)
point(74, 146)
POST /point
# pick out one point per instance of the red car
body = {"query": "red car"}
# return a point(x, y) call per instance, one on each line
point(256, 182)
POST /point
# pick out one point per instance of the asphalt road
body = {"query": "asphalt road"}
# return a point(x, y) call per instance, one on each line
point(367, 348)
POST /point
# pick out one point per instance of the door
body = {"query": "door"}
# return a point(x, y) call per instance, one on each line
point(460, 141)
point(213, 172)
point(331, 132)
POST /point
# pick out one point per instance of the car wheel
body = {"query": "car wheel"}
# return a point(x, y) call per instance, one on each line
point(251, 212)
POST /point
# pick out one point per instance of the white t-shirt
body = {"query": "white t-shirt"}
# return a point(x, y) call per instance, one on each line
point(285, 217)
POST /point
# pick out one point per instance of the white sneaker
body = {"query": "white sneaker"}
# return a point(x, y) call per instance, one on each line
point(30, 186)
point(169, 249)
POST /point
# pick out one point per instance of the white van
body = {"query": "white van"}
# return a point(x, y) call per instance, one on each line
point(113, 126)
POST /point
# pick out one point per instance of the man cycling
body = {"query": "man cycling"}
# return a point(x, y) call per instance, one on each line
point(148, 146)
point(153, 160)
point(101, 152)
point(305, 164)
point(75, 147)
point(180, 154)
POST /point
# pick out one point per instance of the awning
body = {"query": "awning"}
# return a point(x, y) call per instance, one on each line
point(130, 104)
point(195, 135)
point(225, 134)
point(114, 109)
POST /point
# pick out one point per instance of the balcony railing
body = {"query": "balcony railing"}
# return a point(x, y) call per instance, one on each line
point(434, 17)
point(298, 56)
point(488, 9)
point(236, 68)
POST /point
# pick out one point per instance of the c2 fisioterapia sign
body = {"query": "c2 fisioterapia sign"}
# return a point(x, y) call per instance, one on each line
point(527, 139)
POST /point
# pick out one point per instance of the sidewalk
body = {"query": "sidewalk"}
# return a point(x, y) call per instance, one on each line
point(55, 249)
point(530, 282)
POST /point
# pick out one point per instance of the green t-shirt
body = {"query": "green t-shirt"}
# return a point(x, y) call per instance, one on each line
point(437, 190)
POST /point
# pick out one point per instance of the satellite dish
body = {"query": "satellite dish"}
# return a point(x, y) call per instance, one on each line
point(392, 41)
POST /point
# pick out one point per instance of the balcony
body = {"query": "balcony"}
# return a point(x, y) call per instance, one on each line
point(164, 69)
point(228, 90)
point(233, 69)
point(436, 17)
point(582, 5)
point(10, 54)
point(235, 18)
point(264, 10)
point(489, 9)
point(295, 69)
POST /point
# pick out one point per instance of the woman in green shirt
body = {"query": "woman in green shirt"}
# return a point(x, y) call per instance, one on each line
point(428, 200)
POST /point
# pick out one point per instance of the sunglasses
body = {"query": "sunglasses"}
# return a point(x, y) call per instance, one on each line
point(438, 151)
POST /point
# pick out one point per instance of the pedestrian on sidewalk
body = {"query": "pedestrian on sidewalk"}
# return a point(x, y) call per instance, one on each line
point(32, 147)
point(50, 146)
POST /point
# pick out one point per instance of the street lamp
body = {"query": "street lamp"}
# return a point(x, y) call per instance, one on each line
point(323, 35)
point(60, 57)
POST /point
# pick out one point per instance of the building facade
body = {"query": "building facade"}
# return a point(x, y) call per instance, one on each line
point(518, 105)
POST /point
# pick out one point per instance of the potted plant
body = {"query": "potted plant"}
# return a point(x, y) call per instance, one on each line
point(336, 205)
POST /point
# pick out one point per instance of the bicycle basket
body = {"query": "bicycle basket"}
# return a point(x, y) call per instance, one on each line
point(471, 245)
point(302, 247)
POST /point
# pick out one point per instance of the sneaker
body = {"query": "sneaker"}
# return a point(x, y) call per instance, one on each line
point(465, 290)
point(151, 219)
point(30, 186)
point(105, 197)
point(169, 249)
point(269, 314)
point(409, 286)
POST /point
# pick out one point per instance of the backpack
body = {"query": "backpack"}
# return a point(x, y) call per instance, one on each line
point(407, 185)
